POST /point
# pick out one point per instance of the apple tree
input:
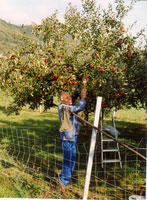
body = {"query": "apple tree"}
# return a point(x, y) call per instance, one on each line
point(89, 49)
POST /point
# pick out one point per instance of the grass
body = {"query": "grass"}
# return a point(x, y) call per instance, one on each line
point(22, 183)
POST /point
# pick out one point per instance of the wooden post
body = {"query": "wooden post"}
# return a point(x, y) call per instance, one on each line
point(92, 147)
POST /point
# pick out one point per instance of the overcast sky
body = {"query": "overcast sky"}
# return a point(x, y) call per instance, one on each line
point(27, 11)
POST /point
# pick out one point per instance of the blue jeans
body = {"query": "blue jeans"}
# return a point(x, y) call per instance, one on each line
point(69, 157)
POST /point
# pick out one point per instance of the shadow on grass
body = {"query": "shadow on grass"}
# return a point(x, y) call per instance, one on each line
point(35, 144)
point(6, 164)
point(2, 109)
point(129, 129)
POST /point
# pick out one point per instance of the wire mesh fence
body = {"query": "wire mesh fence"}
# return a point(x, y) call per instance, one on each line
point(28, 153)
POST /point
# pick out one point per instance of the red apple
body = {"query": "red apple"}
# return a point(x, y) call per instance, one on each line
point(113, 69)
point(127, 55)
point(65, 83)
point(122, 93)
point(12, 57)
point(91, 66)
point(75, 83)
point(122, 30)
point(97, 55)
point(55, 76)
point(116, 94)
point(71, 79)
point(46, 60)
point(100, 70)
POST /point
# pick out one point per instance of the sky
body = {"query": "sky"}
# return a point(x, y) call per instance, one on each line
point(28, 11)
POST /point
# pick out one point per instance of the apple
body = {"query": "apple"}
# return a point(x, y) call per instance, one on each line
point(12, 57)
point(46, 60)
point(65, 83)
point(71, 79)
point(100, 70)
point(75, 83)
point(97, 55)
point(113, 69)
point(116, 94)
point(22, 71)
point(127, 55)
point(122, 30)
point(55, 76)
point(91, 66)
point(122, 93)
point(73, 37)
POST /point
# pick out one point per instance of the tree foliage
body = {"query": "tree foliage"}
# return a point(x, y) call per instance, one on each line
point(90, 49)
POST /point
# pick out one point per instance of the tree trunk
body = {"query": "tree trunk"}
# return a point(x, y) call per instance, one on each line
point(6, 100)
point(86, 114)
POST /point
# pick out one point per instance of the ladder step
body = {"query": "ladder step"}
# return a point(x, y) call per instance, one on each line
point(111, 161)
point(108, 140)
point(110, 150)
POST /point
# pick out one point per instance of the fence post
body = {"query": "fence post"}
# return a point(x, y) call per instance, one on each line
point(92, 147)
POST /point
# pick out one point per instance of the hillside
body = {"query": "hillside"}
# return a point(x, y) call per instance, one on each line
point(10, 35)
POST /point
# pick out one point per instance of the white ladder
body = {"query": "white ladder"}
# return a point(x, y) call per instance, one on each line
point(106, 142)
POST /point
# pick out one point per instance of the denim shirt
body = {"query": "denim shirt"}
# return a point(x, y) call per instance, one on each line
point(70, 135)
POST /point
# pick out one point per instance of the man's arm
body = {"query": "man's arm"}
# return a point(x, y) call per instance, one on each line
point(81, 105)
point(75, 95)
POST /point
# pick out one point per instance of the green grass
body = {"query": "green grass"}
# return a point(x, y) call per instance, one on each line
point(44, 127)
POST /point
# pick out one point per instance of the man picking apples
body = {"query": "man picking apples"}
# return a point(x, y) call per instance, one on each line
point(69, 130)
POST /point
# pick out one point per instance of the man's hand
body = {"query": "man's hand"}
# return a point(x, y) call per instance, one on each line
point(83, 93)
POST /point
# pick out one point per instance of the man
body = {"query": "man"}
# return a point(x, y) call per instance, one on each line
point(69, 137)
